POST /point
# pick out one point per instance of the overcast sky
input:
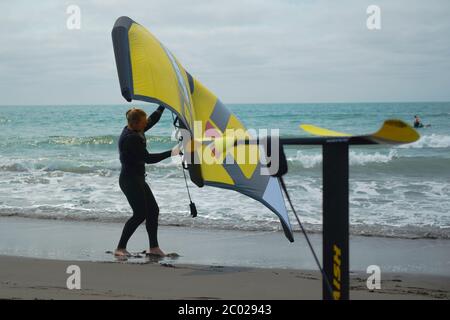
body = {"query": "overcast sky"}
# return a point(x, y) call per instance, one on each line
point(245, 51)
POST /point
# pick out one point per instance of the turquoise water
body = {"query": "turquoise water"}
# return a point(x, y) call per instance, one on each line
point(61, 162)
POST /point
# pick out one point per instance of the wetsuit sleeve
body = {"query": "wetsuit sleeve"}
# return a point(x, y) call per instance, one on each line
point(154, 118)
point(137, 148)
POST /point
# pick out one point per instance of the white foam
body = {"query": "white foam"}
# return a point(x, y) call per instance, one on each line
point(307, 160)
point(375, 200)
point(429, 141)
point(356, 158)
point(361, 158)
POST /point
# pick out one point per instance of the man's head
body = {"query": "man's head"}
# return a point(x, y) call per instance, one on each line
point(137, 119)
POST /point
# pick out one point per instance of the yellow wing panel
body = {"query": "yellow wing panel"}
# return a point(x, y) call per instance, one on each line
point(204, 102)
point(216, 173)
point(153, 75)
point(247, 156)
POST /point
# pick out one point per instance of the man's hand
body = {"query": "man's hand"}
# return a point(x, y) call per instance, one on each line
point(176, 151)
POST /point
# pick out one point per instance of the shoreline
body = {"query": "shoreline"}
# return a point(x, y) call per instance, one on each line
point(89, 241)
point(356, 230)
point(35, 254)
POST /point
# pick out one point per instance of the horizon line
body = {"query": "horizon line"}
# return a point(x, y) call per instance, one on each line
point(230, 103)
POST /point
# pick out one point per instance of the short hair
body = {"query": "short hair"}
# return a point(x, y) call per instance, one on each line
point(134, 115)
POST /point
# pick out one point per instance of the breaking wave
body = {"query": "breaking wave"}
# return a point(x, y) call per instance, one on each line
point(356, 158)
point(429, 141)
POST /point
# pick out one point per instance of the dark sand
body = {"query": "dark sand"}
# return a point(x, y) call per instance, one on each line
point(27, 278)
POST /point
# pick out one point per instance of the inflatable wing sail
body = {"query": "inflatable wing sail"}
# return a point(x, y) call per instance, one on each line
point(149, 72)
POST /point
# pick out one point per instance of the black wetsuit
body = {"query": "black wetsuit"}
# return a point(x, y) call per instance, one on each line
point(418, 124)
point(133, 156)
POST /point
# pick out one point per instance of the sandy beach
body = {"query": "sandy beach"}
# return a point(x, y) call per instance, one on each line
point(217, 264)
point(27, 278)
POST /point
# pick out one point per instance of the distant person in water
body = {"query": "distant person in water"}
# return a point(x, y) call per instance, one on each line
point(133, 157)
point(417, 122)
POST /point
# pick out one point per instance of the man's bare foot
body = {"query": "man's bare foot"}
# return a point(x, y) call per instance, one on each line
point(122, 253)
point(157, 251)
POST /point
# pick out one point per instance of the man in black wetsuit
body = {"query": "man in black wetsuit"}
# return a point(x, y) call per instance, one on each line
point(133, 157)
point(417, 122)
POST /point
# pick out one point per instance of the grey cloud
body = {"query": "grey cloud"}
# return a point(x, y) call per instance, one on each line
point(301, 50)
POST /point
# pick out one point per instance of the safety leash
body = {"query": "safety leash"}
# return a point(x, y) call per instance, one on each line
point(192, 206)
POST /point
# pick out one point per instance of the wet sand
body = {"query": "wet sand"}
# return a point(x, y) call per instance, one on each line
point(213, 264)
point(28, 278)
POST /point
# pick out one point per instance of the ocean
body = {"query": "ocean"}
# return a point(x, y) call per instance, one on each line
point(61, 162)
